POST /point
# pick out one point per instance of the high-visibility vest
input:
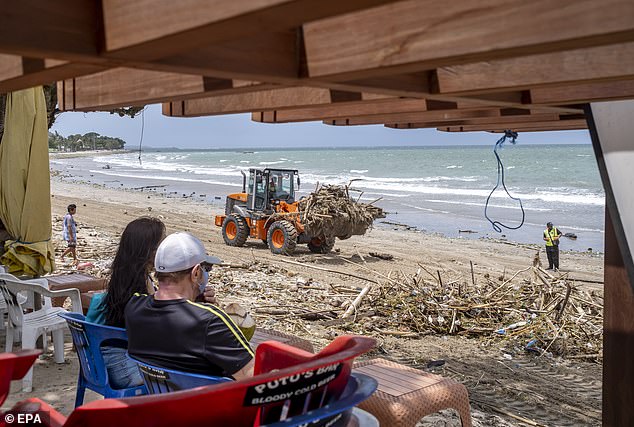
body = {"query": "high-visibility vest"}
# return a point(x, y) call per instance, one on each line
point(552, 233)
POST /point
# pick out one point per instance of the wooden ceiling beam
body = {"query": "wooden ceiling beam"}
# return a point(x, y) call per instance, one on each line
point(64, 29)
point(424, 116)
point(515, 99)
point(418, 35)
point(17, 72)
point(583, 93)
point(274, 99)
point(129, 86)
point(521, 127)
point(587, 65)
point(270, 57)
point(120, 30)
point(369, 107)
point(532, 118)
point(149, 30)
point(390, 107)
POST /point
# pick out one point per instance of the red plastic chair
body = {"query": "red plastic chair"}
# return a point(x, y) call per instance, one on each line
point(256, 401)
point(273, 355)
point(14, 366)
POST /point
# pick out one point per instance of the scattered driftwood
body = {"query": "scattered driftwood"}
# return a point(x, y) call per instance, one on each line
point(355, 304)
point(386, 257)
point(330, 211)
point(148, 187)
point(326, 269)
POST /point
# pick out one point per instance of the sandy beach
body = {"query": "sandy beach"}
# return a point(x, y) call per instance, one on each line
point(507, 385)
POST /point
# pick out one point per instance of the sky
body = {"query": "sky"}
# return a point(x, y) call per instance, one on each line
point(238, 130)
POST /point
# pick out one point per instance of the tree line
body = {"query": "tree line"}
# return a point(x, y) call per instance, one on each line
point(88, 141)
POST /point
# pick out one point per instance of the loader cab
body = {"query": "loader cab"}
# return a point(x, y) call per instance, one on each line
point(270, 185)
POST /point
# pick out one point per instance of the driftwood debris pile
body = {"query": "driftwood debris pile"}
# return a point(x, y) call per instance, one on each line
point(330, 211)
point(529, 311)
point(542, 314)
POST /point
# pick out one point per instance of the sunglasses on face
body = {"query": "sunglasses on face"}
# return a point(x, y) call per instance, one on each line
point(206, 267)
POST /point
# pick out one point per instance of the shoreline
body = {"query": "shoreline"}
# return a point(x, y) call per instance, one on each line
point(113, 208)
point(427, 216)
point(216, 204)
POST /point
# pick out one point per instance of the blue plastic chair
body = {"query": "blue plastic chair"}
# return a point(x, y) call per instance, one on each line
point(162, 380)
point(88, 339)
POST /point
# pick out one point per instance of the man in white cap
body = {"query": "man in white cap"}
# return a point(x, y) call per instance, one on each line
point(169, 329)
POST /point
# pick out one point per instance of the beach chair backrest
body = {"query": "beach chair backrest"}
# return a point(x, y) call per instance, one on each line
point(13, 366)
point(264, 399)
point(12, 306)
point(88, 338)
point(324, 386)
point(162, 380)
point(18, 294)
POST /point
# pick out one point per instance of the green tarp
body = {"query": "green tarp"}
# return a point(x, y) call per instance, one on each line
point(25, 201)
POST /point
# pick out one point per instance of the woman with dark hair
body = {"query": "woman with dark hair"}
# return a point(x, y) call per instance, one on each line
point(131, 270)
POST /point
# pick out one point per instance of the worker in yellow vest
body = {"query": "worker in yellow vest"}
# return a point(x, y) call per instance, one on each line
point(551, 237)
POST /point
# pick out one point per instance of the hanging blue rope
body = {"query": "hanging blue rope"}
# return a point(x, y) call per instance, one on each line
point(497, 225)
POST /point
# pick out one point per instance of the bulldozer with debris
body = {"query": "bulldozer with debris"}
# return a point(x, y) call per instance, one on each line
point(267, 209)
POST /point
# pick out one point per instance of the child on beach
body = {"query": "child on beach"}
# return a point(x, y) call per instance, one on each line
point(69, 232)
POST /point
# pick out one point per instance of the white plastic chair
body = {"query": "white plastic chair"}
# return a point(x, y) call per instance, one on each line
point(3, 305)
point(39, 322)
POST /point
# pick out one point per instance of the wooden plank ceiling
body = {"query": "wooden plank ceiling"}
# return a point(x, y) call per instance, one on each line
point(456, 66)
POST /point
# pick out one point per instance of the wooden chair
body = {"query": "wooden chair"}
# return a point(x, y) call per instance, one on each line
point(405, 395)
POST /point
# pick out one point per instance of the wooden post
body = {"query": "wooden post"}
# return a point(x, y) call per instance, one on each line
point(472, 274)
point(618, 336)
point(611, 127)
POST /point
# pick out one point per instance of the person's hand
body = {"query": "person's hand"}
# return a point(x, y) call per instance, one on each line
point(210, 295)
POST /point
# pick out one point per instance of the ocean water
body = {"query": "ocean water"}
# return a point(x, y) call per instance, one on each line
point(436, 189)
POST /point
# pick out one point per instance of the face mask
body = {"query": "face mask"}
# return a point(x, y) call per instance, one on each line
point(203, 284)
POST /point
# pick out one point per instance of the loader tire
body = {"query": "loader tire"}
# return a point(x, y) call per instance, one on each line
point(321, 245)
point(235, 230)
point(282, 237)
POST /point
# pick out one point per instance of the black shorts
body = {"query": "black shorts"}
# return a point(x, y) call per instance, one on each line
point(72, 244)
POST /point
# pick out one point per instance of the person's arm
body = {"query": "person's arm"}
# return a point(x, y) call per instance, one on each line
point(545, 236)
point(245, 372)
point(226, 346)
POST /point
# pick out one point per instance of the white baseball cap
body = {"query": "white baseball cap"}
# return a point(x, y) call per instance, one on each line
point(180, 251)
